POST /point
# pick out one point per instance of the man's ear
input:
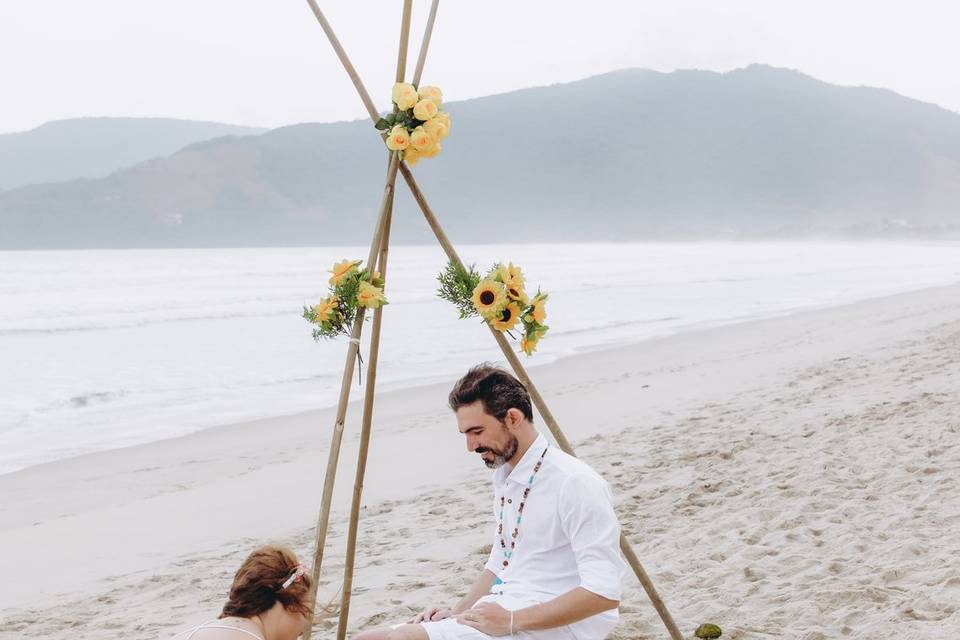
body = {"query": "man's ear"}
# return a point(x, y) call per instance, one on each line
point(514, 417)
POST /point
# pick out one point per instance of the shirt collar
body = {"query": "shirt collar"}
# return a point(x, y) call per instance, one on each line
point(521, 472)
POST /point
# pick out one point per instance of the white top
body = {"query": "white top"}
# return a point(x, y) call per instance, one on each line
point(214, 625)
point(568, 537)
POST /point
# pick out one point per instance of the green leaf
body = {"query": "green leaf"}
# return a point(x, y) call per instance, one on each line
point(382, 124)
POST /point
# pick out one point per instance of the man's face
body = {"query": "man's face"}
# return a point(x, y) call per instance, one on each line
point(486, 435)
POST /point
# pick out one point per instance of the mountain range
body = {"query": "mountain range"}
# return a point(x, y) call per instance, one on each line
point(628, 155)
point(96, 147)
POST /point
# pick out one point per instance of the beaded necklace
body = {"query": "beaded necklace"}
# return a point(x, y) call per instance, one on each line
point(516, 530)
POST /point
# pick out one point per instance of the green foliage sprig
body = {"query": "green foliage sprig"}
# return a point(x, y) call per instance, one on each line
point(405, 118)
point(456, 285)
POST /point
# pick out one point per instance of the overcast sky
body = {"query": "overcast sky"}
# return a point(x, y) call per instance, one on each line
point(267, 63)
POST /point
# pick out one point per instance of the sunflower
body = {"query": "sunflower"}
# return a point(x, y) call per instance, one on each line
point(326, 309)
point(489, 298)
point(518, 294)
point(508, 319)
point(370, 296)
point(511, 275)
point(342, 270)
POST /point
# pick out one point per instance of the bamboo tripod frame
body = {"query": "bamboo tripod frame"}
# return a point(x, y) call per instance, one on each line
point(379, 248)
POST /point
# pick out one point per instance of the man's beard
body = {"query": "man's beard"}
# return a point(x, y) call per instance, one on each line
point(500, 457)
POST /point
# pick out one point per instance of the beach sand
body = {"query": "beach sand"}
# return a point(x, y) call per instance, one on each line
point(795, 477)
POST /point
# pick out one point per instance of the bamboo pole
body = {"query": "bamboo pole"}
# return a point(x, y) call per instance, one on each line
point(515, 363)
point(372, 361)
point(337, 436)
point(425, 44)
point(344, 60)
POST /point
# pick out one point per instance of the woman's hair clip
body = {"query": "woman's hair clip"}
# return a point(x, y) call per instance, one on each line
point(294, 577)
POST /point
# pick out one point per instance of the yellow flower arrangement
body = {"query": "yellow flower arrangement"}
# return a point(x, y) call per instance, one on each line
point(414, 130)
point(351, 291)
point(499, 298)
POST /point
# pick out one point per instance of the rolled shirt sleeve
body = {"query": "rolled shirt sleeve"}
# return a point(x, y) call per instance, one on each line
point(589, 521)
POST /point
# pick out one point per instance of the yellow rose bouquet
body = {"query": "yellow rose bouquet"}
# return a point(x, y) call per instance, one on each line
point(418, 125)
point(350, 288)
point(499, 297)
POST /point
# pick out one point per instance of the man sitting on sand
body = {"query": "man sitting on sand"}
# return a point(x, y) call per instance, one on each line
point(555, 570)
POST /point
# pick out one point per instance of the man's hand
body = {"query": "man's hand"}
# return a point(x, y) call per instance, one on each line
point(430, 615)
point(489, 618)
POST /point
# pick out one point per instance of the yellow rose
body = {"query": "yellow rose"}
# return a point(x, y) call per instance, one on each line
point(411, 156)
point(433, 151)
point(343, 269)
point(445, 119)
point(436, 128)
point(370, 296)
point(420, 139)
point(424, 110)
point(431, 93)
point(398, 139)
point(404, 95)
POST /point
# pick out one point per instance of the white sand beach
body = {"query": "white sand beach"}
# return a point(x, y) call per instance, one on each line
point(795, 477)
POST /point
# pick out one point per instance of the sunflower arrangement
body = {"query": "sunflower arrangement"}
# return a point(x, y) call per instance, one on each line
point(350, 289)
point(499, 297)
point(414, 130)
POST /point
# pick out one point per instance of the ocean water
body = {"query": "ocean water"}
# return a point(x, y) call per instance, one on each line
point(104, 349)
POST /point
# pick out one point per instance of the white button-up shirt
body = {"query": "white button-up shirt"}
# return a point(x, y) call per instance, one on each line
point(568, 535)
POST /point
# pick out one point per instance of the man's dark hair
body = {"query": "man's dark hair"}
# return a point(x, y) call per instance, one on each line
point(497, 389)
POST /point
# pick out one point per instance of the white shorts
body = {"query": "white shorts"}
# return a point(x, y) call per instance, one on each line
point(450, 629)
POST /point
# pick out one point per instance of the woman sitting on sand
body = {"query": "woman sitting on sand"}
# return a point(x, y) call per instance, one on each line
point(268, 601)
